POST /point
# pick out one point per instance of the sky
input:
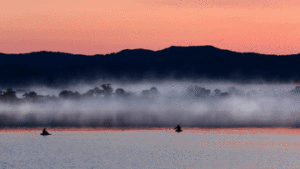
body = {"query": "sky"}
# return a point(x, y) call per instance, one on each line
point(101, 27)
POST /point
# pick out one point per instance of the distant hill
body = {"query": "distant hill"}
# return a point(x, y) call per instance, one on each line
point(54, 68)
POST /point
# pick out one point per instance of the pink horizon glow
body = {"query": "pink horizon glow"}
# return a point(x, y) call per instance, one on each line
point(101, 27)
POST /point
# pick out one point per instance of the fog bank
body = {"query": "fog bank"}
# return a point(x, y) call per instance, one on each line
point(190, 104)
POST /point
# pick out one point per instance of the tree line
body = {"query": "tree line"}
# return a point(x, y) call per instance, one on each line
point(105, 91)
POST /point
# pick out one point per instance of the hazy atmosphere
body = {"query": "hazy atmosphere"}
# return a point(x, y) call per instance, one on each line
point(150, 104)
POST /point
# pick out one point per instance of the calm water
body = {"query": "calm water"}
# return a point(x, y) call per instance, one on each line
point(149, 149)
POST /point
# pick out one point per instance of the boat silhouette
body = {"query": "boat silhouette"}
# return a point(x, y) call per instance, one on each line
point(178, 129)
point(45, 133)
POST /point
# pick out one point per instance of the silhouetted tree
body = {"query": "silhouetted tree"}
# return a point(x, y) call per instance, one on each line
point(30, 95)
point(89, 93)
point(223, 95)
point(217, 92)
point(145, 92)
point(198, 91)
point(153, 91)
point(9, 95)
point(98, 91)
point(121, 92)
point(201, 92)
point(107, 89)
point(93, 92)
point(65, 94)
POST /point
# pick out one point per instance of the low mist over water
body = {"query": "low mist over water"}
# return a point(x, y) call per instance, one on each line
point(151, 104)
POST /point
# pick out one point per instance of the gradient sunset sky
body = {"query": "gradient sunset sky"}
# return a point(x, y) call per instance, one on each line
point(106, 26)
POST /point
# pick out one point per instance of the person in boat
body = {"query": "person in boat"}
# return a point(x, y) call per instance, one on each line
point(178, 129)
point(45, 132)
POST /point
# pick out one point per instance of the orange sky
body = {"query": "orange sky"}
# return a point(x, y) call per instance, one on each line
point(100, 26)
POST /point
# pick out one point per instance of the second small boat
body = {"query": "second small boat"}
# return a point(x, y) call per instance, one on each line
point(45, 133)
point(178, 129)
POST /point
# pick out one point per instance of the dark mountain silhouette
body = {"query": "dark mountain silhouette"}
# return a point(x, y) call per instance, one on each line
point(54, 68)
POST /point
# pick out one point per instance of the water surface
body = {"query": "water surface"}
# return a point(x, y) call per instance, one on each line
point(150, 148)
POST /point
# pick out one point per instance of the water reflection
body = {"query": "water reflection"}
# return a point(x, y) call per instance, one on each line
point(163, 148)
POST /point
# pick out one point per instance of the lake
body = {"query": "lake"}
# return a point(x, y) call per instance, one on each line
point(150, 148)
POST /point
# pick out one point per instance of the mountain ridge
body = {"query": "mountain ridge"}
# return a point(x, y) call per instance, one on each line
point(177, 62)
point(138, 49)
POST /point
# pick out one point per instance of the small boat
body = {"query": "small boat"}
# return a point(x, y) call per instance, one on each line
point(45, 133)
point(178, 129)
